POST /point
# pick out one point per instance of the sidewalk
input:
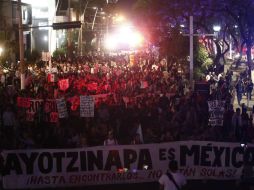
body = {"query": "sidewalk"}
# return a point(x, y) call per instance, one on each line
point(244, 100)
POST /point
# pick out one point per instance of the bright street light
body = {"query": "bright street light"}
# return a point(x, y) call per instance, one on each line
point(111, 42)
point(216, 28)
point(124, 35)
point(119, 18)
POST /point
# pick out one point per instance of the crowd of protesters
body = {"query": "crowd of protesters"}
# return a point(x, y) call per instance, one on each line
point(148, 101)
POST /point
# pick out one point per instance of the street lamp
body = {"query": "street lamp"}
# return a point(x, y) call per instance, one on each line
point(216, 29)
point(96, 11)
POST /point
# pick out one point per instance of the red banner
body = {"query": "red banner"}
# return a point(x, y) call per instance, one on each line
point(52, 78)
point(144, 84)
point(23, 102)
point(63, 84)
point(74, 103)
point(92, 86)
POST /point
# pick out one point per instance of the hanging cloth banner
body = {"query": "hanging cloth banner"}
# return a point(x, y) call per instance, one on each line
point(23, 102)
point(51, 168)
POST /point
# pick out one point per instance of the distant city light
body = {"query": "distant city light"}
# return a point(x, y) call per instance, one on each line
point(145, 167)
point(182, 26)
point(216, 28)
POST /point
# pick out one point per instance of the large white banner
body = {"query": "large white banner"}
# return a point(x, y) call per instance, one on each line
point(123, 164)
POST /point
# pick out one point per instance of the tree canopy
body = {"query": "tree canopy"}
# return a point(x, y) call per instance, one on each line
point(233, 16)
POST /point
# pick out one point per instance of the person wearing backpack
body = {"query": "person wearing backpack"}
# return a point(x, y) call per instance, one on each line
point(173, 179)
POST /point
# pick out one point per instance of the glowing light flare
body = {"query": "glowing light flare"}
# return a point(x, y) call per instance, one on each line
point(1, 50)
point(119, 18)
point(136, 39)
point(216, 28)
point(111, 42)
point(125, 35)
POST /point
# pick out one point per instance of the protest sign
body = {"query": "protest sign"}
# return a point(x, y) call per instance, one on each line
point(61, 107)
point(216, 112)
point(35, 104)
point(86, 106)
point(63, 84)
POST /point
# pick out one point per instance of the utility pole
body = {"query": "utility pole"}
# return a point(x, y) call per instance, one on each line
point(191, 36)
point(94, 17)
point(69, 30)
point(82, 19)
point(21, 48)
point(191, 52)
